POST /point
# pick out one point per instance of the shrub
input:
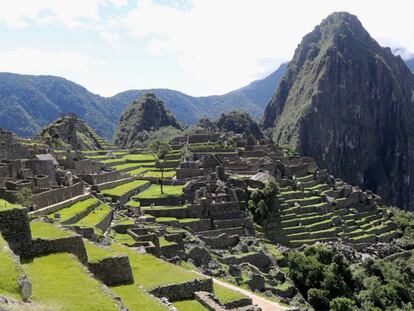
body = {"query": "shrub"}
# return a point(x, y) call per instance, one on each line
point(342, 304)
point(318, 298)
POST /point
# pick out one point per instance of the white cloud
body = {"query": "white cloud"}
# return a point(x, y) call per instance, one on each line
point(225, 44)
point(32, 61)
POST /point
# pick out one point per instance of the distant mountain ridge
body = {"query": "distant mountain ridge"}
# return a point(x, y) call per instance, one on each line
point(27, 103)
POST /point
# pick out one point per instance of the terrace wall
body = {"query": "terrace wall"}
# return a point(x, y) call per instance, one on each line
point(57, 195)
point(113, 270)
point(96, 179)
point(15, 229)
point(183, 291)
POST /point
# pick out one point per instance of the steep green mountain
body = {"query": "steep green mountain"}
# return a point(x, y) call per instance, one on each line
point(69, 131)
point(146, 114)
point(239, 123)
point(348, 103)
point(29, 102)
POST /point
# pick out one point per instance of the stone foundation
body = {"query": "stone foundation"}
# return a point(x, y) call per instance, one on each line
point(113, 270)
point(183, 291)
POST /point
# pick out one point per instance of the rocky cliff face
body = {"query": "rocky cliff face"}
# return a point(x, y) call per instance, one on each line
point(349, 104)
point(68, 131)
point(145, 114)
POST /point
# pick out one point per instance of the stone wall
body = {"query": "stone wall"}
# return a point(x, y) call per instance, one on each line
point(183, 291)
point(14, 152)
point(171, 200)
point(96, 179)
point(15, 229)
point(111, 184)
point(43, 168)
point(80, 215)
point(113, 270)
point(57, 195)
point(106, 222)
point(58, 206)
point(125, 197)
point(72, 244)
point(197, 225)
point(221, 241)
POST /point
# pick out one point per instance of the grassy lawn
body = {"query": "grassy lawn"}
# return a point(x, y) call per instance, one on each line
point(9, 273)
point(97, 253)
point(137, 171)
point(151, 272)
point(154, 191)
point(126, 165)
point(94, 217)
point(225, 295)
point(133, 203)
point(136, 299)
point(44, 230)
point(77, 208)
point(124, 188)
point(60, 282)
point(121, 238)
point(4, 205)
point(164, 242)
point(189, 305)
point(157, 174)
point(109, 161)
point(140, 157)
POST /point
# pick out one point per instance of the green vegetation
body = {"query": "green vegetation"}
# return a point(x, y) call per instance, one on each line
point(9, 272)
point(97, 253)
point(24, 196)
point(262, 200)
point(331, 282)
point(164, 242)
point(94, 217)
point(159, 149)
point(225, 295)
point(139, 157)
point(125, 166)
point(136, 299)
point(189, 305)
point(4, 205)
point(44, 230)
point(124, 188)
point(75, 209)
point(59, 279)
point(151, 272)
point(158, 174)
point(154, 192)
point(137, 171)
point(239, 123)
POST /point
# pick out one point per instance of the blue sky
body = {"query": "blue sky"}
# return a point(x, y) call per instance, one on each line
point(200, 47)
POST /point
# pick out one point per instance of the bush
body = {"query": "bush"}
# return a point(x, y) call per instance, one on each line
point(318, 298)
point(342, 304)
point(262, 201)
point(24, 197)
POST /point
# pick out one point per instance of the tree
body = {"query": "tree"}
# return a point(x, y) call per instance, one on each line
point(159, 149)
point(24, 197)
point(342, 304)
point(318, 298)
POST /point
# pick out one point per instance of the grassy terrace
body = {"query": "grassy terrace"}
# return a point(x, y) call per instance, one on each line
point(189, 305)
point(137, 171)
point(97, 253)
point(157, 174)
point(4, 205)
point(136, 299)
point(225, 295)
point(140, 157)
point(73, 210)
point(151, 272)
point(124, 188)
point(94, 217)
point(9, 273)
point(154, 191)
point(183, 221)
point(59, 279)
point(126, 166)
point(164, 242)
point(44, 230)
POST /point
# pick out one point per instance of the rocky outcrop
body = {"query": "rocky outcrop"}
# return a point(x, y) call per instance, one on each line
point(348, 103)
point(145, 114)
point(69, 131)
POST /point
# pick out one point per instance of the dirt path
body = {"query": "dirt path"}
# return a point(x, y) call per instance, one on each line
point(263, 303)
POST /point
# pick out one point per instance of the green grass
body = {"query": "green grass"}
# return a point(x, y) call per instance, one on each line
point(166, 219)
point(151, 272)
point(189, 305)
point(60, 282)
point(109, 161)
point(225, 295)
point(73, 210)
point(272, 249)
point(122, 238)
point(44, 230)
point(124, 188)
point(137, 171)
point(140, 157)
point(9, 272)
point(97, 253)
point(4, 205)
point(94, 217)
point(125, 166)
point(133, 203)
point(164, 242)
point(157, 174)
point(154, 191)
point(136, 299)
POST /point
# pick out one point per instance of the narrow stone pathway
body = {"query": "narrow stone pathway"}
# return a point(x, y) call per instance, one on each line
point(263, 303)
